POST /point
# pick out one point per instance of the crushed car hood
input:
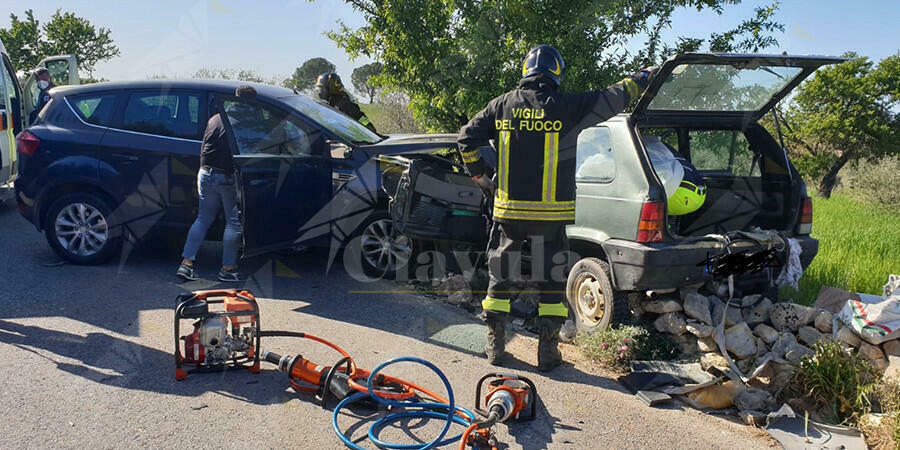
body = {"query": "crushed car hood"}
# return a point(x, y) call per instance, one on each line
point(411, 143)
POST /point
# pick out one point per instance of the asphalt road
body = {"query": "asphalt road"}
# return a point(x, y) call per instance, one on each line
point(89, 363)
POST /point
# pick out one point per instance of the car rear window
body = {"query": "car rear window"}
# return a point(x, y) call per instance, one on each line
point(171, 114)
point(95, 109)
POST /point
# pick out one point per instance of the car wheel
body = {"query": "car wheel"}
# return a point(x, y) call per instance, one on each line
point(382, 251)
point(591, 297)
point(78, 229)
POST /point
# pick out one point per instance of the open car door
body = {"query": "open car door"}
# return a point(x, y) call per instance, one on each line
point(725, 85)
point(63, 71)
point(284, 172)
point(8, 115)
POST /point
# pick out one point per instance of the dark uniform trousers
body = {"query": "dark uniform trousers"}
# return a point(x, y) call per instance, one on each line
point(548, 250)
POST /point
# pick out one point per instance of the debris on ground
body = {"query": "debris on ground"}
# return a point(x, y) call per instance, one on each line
point(795, 431)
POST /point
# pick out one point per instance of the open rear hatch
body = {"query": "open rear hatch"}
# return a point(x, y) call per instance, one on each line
point(714, 101)
point(744, 86)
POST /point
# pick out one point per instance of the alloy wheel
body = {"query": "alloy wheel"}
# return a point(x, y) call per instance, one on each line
point(81, 229)
point(384, 250)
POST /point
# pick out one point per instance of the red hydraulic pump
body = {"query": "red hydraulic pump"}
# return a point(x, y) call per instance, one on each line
point(225, 337)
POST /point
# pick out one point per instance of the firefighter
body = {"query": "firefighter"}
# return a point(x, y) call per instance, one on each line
point(330, 89)
point(535, 128)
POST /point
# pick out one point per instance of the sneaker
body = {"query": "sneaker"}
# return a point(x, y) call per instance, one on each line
point(186, 272)
point(228, 275)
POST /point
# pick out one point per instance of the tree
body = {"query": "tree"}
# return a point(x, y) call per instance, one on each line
point(363, 81)
point(846, 114)
point(67, 33)
point(23, 41)
point(304, 77)
point(231, 74)
point(452, 56)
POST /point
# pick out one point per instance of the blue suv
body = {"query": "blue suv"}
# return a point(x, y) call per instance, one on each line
point(111, 161)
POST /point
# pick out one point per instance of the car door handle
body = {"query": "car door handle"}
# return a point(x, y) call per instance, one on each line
point(260, 182)
point(124, 157)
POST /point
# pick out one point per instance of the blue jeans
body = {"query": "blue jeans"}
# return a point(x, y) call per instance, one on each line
point(216, 189)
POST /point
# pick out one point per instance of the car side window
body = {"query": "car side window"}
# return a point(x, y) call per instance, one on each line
point(171, 114)
point(595, 159)
point(59, 71)
point(263, 129)
point(722, 151)
point(95, 109)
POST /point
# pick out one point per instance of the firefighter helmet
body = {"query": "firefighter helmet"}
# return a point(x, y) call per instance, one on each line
point(328, 84)
point(544, 60)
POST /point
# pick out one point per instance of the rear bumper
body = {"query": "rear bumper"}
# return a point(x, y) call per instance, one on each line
point(637, 266)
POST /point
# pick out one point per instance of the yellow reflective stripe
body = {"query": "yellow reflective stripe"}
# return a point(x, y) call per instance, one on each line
point(632, 87)
point(495, 304)
point(548, 206)
point(554, 165)
point(501, 213)
point(545, 186)
point(503, 167)
point(532, 204)
point(471, 156)
point(553, 309)
point(364, 120)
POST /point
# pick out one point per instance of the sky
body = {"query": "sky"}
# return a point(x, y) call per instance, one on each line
point(273, 37)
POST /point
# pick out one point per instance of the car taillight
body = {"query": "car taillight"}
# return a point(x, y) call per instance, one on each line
point(27, 143)
point(653, 218)
point(806, 216)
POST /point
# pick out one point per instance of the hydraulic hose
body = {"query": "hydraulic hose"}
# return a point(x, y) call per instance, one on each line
point(405, 396)
point(438, 409)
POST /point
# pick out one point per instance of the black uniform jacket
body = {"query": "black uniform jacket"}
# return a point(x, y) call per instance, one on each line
point(535, 128)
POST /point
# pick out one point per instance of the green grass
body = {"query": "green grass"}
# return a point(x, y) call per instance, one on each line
point(375, 113)
point(859, 245)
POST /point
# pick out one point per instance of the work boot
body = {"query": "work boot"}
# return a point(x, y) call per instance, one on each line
point(549, 357)
point(496, 345)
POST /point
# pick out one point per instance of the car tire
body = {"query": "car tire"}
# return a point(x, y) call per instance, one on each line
point(383, 252)
point(593, 302)
point(77, 229)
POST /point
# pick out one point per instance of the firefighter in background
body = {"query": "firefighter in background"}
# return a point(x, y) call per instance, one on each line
point(330, 89)
point(535, 128)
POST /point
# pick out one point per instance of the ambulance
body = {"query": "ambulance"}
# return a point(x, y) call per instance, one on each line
point(17, 100)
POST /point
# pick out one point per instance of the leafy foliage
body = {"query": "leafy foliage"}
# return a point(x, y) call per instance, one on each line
point(64, 34)
point(23, 40)
point(363, 79)
point(233, 74)
point(453, 56)
point(304, 77)
point(846, 114)
point(836, 382)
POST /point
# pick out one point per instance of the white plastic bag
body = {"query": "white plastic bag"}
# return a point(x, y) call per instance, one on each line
point(668, 168)
point(876, 320)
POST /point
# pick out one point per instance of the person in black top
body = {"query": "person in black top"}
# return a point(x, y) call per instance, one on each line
point(44, 84)
point(216, 186)
point(535, 128)
point(330, 89)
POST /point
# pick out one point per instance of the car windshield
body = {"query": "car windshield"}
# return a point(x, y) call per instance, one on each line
point(341, 125)
point(705, 87)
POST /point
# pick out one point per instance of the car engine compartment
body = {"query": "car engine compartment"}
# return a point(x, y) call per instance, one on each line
point(432, 197)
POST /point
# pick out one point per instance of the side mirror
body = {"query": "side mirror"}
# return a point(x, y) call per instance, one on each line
point(339, 150)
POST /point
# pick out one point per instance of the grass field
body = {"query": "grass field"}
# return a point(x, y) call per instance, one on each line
point(859, 245)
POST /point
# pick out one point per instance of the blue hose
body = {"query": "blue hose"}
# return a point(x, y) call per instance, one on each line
point(426, 410)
